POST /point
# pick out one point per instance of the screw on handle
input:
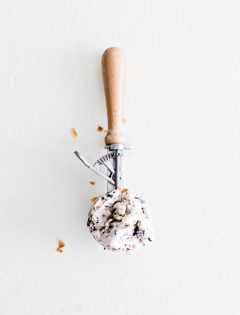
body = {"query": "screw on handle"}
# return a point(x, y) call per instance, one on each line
point(113, 65)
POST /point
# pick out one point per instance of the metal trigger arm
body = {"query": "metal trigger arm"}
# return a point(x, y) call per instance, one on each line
point(85, 162)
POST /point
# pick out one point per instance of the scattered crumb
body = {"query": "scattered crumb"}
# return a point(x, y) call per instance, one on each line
point(92, 182)
point(122, 189)
point(124, 121)
point(61, 244)
point(73, 132)
point(94, 199)
point(100, 128)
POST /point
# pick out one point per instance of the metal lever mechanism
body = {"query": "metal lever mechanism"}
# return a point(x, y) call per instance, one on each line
point(85, 162)
point(112, 161)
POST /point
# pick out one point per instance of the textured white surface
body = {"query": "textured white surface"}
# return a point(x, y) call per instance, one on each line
point(182, 103)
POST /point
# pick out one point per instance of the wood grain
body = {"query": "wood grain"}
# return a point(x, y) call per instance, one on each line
point(113, 65)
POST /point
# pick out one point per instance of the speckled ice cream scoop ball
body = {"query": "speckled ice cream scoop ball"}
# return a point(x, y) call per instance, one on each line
point(120, 221)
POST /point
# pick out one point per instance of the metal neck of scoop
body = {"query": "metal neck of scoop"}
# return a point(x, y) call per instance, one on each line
point(112, 147)
point(118, 150)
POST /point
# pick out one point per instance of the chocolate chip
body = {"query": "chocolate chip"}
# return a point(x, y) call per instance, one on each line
point(135, 231)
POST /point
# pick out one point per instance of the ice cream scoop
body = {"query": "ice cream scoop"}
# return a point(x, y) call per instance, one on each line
point(110, 166)
point(118, 220)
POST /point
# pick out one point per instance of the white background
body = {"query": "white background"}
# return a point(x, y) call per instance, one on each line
point(182, 105)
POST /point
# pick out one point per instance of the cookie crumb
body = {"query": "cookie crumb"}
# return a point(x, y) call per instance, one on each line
point(61, 244)
point(122, 189)
point(73, 132)
point(92, 182)
point(124, 121)
point(94, 199)
point(100, 128)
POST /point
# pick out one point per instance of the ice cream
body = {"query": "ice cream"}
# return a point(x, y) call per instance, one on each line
point(120, 221)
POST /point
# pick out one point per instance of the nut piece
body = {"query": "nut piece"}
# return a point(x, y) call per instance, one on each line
point(61, 244)
point(100, 128)
point(73, 132)
point(94, 199)
point(92, 182)
point(122, 189)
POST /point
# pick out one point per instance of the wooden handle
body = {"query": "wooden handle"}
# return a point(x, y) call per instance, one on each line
point(113, 65)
